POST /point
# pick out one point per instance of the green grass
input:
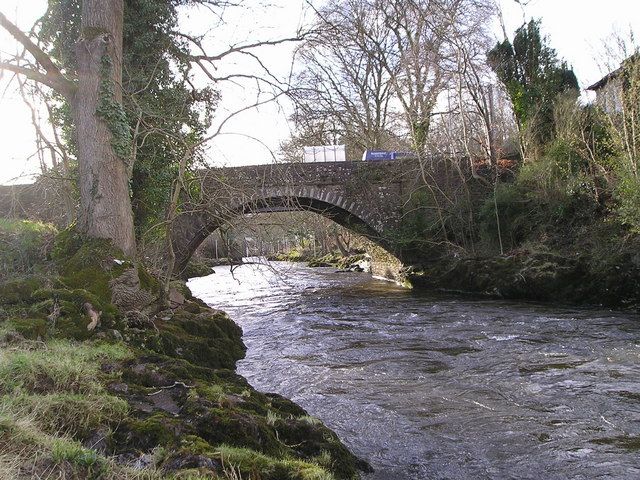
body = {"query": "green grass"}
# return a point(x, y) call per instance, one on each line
point(57, 366)
point(248, 462)
point(28, 452)
point(71, 413)
point(65, 451)
point(57, 385)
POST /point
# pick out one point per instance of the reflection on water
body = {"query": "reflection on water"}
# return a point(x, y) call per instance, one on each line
point(442, 387)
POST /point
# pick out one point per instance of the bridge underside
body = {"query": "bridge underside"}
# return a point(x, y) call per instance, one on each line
point(339, 215)
point(193, 229)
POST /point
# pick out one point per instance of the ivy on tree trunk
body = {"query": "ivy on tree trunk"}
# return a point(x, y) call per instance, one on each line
point(104, 170)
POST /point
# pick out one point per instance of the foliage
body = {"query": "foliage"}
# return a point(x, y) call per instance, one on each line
point(628, 195)
point(533, 77)
point(112, 112)
point(24, 245)
point(440, 221)
point(168, 114)
point(164, 115)
point(625, 131)
point(518, 215)
point(567, 184)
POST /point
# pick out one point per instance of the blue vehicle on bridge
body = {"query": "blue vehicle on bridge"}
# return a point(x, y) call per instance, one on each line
point(378, 155)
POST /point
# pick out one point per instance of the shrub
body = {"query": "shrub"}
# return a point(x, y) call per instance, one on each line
point(526, 214)
point(24, 245)
point(628, 197)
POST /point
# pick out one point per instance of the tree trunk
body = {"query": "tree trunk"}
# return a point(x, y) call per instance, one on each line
point(101, 128)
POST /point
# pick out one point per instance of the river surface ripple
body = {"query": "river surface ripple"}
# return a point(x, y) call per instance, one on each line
point(442, 387)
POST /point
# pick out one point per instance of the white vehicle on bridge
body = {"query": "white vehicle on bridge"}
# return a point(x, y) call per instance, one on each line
point(325, 153)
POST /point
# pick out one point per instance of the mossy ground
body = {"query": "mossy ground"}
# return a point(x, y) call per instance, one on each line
point(149, 393)
point(597, 268)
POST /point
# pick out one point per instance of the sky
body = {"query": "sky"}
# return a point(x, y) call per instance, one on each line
point(577, 29)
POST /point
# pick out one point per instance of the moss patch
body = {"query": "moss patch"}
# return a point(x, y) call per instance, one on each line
point(613, 281)
point(20, 290)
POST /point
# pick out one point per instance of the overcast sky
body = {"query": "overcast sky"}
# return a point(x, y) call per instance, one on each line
point(576, 28)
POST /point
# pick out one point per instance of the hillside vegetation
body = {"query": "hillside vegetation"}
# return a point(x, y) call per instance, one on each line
point(97, 380)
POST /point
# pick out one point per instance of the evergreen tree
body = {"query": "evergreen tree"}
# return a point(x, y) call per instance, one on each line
point(533, 78)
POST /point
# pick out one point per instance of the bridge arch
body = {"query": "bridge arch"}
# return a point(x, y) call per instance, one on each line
point(193, 229)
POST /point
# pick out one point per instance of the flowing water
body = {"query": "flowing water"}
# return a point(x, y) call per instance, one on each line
point(429, 386)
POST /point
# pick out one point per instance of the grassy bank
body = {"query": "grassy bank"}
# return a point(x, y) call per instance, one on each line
point(144, 392)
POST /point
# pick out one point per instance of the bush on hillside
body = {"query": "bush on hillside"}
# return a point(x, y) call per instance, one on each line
point(24, 245)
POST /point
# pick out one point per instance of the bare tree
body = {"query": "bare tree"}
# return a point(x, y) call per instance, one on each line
point(342, 89)
point(377, 68)
point(422, 58)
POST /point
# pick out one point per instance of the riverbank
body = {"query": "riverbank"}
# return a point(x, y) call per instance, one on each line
point(97, 381)
point(589, 270)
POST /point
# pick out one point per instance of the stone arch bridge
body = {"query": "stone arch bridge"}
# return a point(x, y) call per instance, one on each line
point(366, 197)
point(369, 198)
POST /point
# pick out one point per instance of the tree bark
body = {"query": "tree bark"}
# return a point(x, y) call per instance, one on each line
point(104, 171)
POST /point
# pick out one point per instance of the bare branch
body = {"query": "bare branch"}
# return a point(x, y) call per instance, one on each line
point(31, 74)
point(243, 48)
point(53, 77)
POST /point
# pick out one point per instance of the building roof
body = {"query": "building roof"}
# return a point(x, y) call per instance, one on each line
point(606, 79)
point(615, 74)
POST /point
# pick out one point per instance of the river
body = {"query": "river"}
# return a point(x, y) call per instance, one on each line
point(434, 386)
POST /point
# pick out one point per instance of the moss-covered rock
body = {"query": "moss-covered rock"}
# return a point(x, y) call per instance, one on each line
point(193, 411)
point(139, 435)
point(197, 267)
point(208, 338)
point(337, 260)
point(612, 281)
point(92, 267)
point(240, 429)
point(331, 259)
point(96, 266)
point(313, 439)
point(291, 256)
